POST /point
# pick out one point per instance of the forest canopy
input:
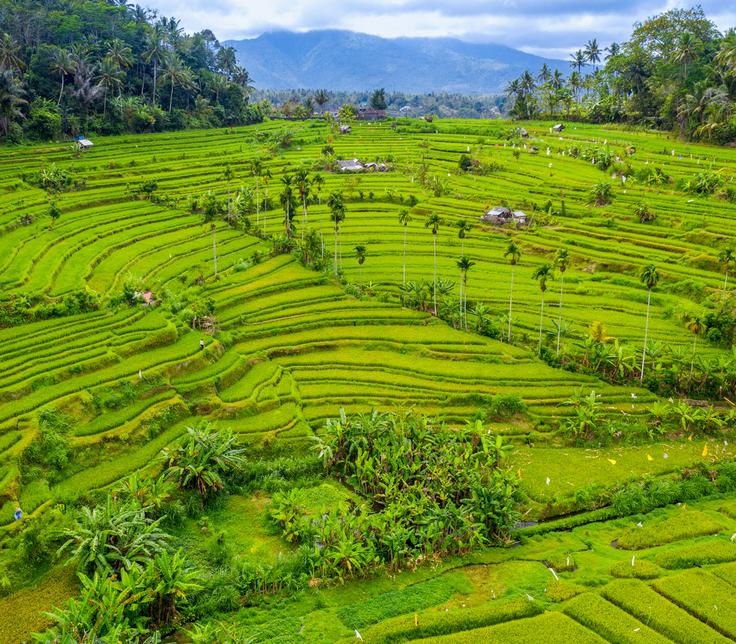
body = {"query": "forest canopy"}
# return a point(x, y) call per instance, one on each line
point(73, 66)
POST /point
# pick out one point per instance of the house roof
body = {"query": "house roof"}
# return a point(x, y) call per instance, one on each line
point(84, 143)
point(350, 165)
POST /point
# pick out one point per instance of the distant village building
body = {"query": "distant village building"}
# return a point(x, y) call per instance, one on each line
point(370, 114)
point(354, 165)
point(502, 216)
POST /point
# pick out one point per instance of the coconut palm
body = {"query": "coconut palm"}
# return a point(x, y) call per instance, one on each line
point(463, 228)
point(288, 203)
point(542, 274)
point(62, 64)
point(592, 53)
point(321, 98)
point(434, 221)
point(301, 178)
point(649, 277)
point(726, 257)
point(256, 169)
point(110, 76)
point(561, 263)
point(10, 54)
point(175, 72)
point(266, 176)
point(404, 219)
point(11, 101)
point(464, 264)
point(695, 326)
point(513, 252)
point(578, 60)
point(119, 53)
point(228, 175)
point(360, 253)
point(154, 53)
point(336, 204)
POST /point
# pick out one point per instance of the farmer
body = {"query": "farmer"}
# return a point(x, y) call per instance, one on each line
point(18, 514)
point(201, 345)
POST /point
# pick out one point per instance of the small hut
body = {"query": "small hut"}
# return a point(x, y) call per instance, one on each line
point(558, 128)
point(84, 143)
point(350, 165)
point(502, 216)
point(345, 129)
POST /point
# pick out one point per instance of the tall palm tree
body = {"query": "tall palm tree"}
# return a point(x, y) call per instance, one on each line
point(11, 101)
point(256, 168)
point(301, 177)
point(119, 53)
point(562, 261)
point(175, 72)
point(592, 52)
point(153, 54)
point(404, 219)
point(360, 253)
point(464, 264)
point(434, 221)
point(649, 277)
point(62, 64)
point(266, 176)
point(686, 51)
point(695, 326)
point(726, 257)
point(321, 97)
point(542, 274)
point(513, 252)
point(288, 203)
point(463, 228)
point(336, 204)
point(110, 76)
point(578, 60)
point(10, 54)
point(228, 175)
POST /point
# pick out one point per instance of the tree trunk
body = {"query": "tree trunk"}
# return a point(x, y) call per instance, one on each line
point(61, 91)
point(404, 272)
point(646, 333)
point(334, 267)
point(171, 96)
point(692, 359)
point(511, 301)
point(155, 74)
point(214, 247)
point(434, 294)
point(465, 306)
point(104, 103)
point(541, 322)
point(304, 220)
point(559, 319)
point(461, 299)
point(725, 284)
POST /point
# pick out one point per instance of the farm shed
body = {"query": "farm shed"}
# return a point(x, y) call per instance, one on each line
point(350, 165)
point(558, 128)
point(502, 216)
point(84, 143)
point(369, 114)
point(345, 129)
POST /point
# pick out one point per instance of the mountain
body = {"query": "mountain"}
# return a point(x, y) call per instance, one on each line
point(348, 61)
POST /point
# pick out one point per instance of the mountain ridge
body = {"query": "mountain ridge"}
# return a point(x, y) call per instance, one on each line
point(342, 60)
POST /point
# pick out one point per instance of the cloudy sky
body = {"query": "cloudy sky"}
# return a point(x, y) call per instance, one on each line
point(541, 27)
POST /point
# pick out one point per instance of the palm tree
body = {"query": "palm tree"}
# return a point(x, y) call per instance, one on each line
point(404, 219)
point(119, 53)
point(288, 203)
point(360, 252)
point(578, 60)
point(10, 54)
point(592, 53)
point(62, 64)
point(561, 263)
point(175, 72)
point(464, 264)
point(228, 175)
point(336, 204)
point(434, 221)
point(726, 257)
point(321, 97)
point(256, 168)
point(153, 54)
point(109, 77)
point(649, 277)
point(266, 176)
point(542, 274)
point(686, 51)
point(695, 326)
point(463, 228)
point(301, 177)
point(513, 252)
point(11, 101)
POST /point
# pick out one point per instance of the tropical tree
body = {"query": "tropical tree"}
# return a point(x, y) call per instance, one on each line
point(542, 274)
point(513, 252)
point(600, 194)
point(119, 53)
point(464, 264)
point(463, 228)
point(561, 262)
point(592, 53)
point(360, 253)
point(203, 460)
point(228, 175)
point(433, 222)
point(62, 64)
point(155, 51)
point(695, 326)
point(336, 204)
point(11, 101)
point(175, 72)
point(301, 178)
point(321, 98)
point(649, 277)
point(10, 55)
point(578, 60)
point(169, 582)
point(404, 219)
point(726, 257)
point(288, 203)
point(110, 77)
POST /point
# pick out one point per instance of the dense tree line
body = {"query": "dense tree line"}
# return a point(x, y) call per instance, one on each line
point(75, 66)
point(677, 72)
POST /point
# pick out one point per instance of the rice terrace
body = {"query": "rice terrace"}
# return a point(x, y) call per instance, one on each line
point(292, 374)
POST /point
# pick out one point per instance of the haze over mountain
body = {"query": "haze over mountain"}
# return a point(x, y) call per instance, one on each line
point(346, 61)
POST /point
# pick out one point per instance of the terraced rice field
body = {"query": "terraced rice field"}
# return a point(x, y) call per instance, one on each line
point(293, 347)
